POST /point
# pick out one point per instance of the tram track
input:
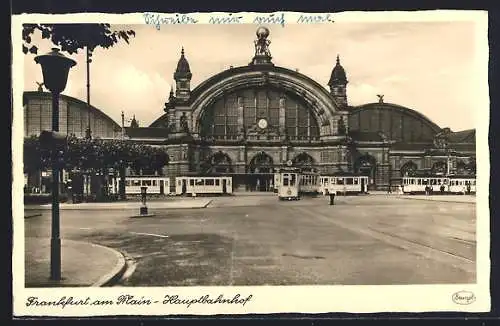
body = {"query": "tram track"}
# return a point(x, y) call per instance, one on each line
point(416, 247)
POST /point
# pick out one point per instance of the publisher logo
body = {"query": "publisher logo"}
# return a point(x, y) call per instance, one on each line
point(463, 297)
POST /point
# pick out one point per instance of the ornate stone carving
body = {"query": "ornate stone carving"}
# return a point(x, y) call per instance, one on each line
point(441, 139)
point(184, 123)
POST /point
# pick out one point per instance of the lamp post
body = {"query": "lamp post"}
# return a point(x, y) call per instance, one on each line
point(144, 208)
point(88, 132)
point(55, 70)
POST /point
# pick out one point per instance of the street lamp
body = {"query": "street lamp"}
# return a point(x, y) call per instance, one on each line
point(55, 70)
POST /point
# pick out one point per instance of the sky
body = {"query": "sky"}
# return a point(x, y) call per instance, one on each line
point(427, 66)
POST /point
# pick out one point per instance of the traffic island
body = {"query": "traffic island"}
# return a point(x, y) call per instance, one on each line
point(84, 264)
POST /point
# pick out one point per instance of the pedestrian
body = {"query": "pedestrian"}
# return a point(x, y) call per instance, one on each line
point(332, 197)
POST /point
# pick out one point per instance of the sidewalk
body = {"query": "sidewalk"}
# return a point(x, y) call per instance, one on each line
point(443, 198)
point(170, 204)
point(83, 264)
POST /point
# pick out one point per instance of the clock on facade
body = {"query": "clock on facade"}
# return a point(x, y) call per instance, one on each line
point(262, 123)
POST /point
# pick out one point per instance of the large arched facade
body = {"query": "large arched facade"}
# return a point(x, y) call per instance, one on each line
point(249, 121)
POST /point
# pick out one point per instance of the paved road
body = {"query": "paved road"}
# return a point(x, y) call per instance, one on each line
point(258, 240)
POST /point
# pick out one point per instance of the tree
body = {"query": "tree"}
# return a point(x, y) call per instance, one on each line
point(97, 155)
point(72, 37)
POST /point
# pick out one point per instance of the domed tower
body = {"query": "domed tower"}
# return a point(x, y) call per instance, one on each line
point(182, 77)
point(338, 83)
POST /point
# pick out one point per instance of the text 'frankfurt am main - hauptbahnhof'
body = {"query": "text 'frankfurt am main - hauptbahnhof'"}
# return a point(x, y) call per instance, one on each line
point(248, 121)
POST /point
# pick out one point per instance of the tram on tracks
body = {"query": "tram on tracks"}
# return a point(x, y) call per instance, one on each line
point(309, 183)
point(203, 185)
point(288, 183)
point(434, 184)
point(343, 184)
point(156, 185)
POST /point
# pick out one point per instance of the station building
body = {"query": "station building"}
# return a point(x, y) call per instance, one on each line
point(249, 121)
point(75, 116)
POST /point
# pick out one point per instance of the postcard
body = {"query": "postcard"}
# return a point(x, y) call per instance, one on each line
point(250, 163)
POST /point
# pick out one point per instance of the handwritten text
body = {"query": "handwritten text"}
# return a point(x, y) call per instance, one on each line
point(314, 19)
point(270, 19)
point(157, 19)
point(229, 19)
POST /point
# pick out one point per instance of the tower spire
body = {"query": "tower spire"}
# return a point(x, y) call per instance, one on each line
point(182, 77)
point(338, 83)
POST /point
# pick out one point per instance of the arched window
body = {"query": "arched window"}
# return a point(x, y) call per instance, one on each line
point(304, 161)
point(439, 167)
point(261, 163)
point(408, 169)
point(217, 163)
point(220, 120)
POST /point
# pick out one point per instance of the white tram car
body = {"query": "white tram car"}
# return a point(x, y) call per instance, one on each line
point(309, 183)
point(203, 185)
point(439, 184)
point(462, 185)
point(133, 184)
point(288, 184)
point(343, 184)
point(414, 185)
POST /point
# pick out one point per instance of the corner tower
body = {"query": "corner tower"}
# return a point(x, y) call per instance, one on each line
point(182, 77)
point(338, 84)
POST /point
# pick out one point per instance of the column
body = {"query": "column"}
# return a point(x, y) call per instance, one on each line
point(240, 114)
point(284, 154)
point(239, 168)
point(282, 116)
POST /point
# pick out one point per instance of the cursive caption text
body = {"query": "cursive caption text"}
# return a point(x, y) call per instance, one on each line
point(131, 300)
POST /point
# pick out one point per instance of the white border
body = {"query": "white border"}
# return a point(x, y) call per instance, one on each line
point(266, 299)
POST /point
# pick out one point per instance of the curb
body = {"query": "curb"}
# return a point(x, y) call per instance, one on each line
point(114, 275)
point(32, 215)
point(90, 208)
point(440, 201)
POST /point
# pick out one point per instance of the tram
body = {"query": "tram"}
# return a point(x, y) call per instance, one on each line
point(453, 184)
point(343, 184)
point(288, 184)
point(156, 185)
point(309, 183)
point(203, 185)
point(462, 185)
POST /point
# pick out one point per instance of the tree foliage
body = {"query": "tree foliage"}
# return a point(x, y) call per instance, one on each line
point(72, 37)
point(95, 155)
point(35, 157)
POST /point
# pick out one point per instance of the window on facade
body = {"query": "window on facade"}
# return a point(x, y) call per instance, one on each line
point(221, 119)
point(46, 116)
point(34, 119)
